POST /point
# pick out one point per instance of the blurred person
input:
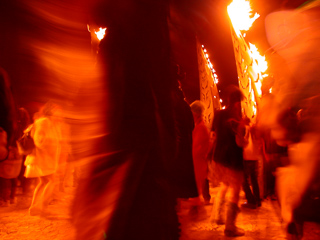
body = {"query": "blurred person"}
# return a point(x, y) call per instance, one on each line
point(200, 150)
point(126, 191)
point(228, 161)
point(9, 171)
point(183, 175)
point(44, 158)
point(8, 128)
point(274, 154)
point(251, 154)
point(7, 108)
point(63, 131)
point(294, 35)
point(24, 122)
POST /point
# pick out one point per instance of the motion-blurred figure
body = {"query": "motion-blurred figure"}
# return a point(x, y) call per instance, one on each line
point(8, 128)
point(126, 191)
point(251, 154)
point(183, 175)
point(228, 161)
point(44, 158)
point(294, 35)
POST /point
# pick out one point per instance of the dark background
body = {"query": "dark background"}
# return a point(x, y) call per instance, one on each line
point(205, 19)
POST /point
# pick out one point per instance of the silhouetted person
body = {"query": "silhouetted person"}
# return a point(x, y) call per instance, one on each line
point(228, 161)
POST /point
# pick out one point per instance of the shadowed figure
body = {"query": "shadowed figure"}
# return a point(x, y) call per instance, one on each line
point(126, 191)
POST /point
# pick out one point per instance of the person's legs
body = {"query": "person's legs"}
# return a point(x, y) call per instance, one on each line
point(246, 186)
point(6, 188)
point(217, 215)
point(254, 182)
point(13, 188)
point(35, 207)
point(47, 191)
point(232, 211)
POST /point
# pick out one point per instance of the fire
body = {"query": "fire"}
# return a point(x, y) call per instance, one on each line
point(240, 14)
point(242, 18)
point(260, 61)
point(101, 33)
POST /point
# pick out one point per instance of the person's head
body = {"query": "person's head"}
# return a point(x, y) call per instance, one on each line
point(234, 95)
point(197, 109)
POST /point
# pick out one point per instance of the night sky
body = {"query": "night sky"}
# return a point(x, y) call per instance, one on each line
point(206, 19)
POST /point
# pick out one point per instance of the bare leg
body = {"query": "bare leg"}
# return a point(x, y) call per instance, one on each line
point(48, 191)
point(217, 214)
point(35, 207)
point(234, 193)
point(231, 230)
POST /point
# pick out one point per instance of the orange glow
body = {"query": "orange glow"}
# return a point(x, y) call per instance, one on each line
point(240, 14)
point(254, 109)
point(260, 61)
point(206, 55)
point(101, 33)
point(254, 65)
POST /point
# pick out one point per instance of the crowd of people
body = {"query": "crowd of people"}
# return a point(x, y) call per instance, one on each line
point(150, 148)
point(232, 153)
point(39, 171)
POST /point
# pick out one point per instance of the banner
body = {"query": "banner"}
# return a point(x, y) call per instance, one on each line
point(246, 75)
point(209, 94)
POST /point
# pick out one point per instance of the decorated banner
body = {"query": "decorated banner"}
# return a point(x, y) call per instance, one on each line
point(250, 64)
point(208, 79)
point(246, 75)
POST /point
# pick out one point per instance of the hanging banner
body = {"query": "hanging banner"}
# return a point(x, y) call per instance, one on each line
point(209, 94)
point(246, 75)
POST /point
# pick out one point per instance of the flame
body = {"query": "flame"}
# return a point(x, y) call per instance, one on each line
point(240, 14)
point(101, 33)
point(260, 61)
point(254, 110)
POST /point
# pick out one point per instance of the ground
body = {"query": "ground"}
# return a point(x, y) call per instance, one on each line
point(260, 224)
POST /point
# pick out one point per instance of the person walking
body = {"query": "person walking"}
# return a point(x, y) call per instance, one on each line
point(43, 162)
point(228, 162)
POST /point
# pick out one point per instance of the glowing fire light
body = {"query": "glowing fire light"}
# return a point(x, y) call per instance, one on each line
point(101, 33)
point(210, 65)
point(260, 60)
point(241, 16)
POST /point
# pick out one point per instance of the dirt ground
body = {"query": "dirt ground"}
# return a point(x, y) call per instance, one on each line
point(260, 224)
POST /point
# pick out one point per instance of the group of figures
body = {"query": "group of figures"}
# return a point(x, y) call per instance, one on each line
point(38, 170)
point(143, 145)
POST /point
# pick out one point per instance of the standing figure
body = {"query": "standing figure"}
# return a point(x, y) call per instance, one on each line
point(251, 164)
point(200, 149)
point(44, 159)
point(228, 161)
